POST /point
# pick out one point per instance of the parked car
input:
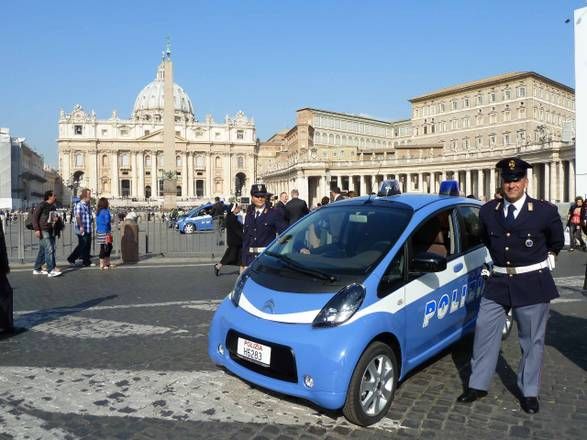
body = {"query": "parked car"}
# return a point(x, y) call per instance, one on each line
point(196, 219)
point(354, 296)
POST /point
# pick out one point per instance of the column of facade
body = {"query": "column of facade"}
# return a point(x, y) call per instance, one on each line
point(325, 187)
point(572, 188)
point(362, 185)
point(443, 176)
point(191, 183)
point(184, 175)
point(420, 182)
point(141, 175)
point(114, 175)
point(480, 184)
point(530, 177)
point(208, 190)
point(133, 174)
point(154, 176)
point(561, 181)
point(491, 183)
point(468, 181)
point(547, 181)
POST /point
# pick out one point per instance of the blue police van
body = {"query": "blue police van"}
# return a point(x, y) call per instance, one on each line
point(352, 297)
point(196, 219)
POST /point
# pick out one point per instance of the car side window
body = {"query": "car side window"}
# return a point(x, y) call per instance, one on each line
point(435, 235)
point(470, 227)
point(394, 276)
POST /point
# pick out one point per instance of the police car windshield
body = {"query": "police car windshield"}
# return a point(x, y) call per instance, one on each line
point(345, 240)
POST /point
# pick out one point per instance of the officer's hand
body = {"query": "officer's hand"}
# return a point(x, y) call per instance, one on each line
point(485, 273)
point(38, 234)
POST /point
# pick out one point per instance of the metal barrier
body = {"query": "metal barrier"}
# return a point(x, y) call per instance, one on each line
point(155, 238)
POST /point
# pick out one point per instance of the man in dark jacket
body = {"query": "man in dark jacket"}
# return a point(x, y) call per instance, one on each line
point(336, 194)
point(6, 316)
point(296, 208)
point(44, 219)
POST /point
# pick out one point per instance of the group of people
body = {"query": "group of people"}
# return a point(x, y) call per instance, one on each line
point(47, 225)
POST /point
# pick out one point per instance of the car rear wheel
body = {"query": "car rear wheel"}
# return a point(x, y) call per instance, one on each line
point(189, 229)
point(372, 385)
point(507, 327)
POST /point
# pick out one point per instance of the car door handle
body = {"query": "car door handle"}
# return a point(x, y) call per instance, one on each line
point(458, 267)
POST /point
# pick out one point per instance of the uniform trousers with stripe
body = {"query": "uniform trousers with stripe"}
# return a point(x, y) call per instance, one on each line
point(531, 322)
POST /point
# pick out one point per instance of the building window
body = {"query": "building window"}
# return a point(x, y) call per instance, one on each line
point(79, 160)
point(218, 162)
point(125, 188)
point(147, 132)
point(177, 161)
point(479, 141)
point(240, 162)
point(466, 143)
point(507, 115)
point(124, 132)
point(479, 100)
point(492, 140)
point(200, 162)
point(147, 161)
point(178, 191)
point(199, 188)
point(521, 92)
point(148, 192)
point(104, 161)
point(104, 132)
point(506, 138)
point(240, 134)
point(466, 103)
point(177, 132)
point(507, 94)
point(454, 105)
point(124, 160)
point(466, 122)
point(491, 96)
point(217, 135)
point(493, 118)
point(522, 113)
point(77, 129)
point(521, 136)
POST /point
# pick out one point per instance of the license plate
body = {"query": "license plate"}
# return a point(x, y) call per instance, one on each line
point(254, 351)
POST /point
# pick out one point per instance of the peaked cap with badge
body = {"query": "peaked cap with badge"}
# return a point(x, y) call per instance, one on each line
point(512, 169)
point(259, 189)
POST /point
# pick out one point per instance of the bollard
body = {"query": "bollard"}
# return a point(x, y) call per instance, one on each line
point(6, 294)
point(129, 241)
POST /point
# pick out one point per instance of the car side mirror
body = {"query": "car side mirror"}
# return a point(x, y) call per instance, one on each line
point(428, 262)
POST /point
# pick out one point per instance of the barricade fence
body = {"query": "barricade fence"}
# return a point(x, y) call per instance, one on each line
point(156, 238)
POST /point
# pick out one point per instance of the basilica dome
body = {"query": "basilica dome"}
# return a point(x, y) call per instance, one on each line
point(149, 103)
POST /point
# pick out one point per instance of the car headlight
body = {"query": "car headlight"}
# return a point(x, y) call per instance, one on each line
point(235, 295)
point(341, 307)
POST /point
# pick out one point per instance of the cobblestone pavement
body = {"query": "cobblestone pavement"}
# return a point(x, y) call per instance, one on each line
point(122, 354)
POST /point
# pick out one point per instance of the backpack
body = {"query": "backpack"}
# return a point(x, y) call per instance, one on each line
point(28, 222)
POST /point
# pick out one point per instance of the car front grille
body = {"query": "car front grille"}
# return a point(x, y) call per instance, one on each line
point(283, 364)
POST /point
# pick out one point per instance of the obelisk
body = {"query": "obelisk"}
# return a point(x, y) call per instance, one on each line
point(169, 174)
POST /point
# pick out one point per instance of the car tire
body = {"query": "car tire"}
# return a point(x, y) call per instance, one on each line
point(507, 327)
point(372, 385)
point(189, 228)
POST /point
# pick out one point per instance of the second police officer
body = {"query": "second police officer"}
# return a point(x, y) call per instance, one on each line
point(522, 235)
point(262, 224)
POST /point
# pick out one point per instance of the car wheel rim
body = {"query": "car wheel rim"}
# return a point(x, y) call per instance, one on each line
point(189, 229)
point(376, 385)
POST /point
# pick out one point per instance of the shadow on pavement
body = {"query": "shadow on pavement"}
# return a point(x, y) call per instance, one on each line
point(27, 321)
point(567, 334)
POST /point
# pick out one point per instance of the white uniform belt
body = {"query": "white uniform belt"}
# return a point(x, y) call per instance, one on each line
point(521, 269)
point(256, 250)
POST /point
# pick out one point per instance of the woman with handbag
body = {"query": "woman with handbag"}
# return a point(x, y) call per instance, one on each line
point(104, 232)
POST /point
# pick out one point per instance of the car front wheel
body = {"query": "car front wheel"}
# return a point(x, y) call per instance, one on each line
point(189, 229)
point(372, 385)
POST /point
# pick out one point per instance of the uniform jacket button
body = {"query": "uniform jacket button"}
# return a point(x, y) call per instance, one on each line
point(508, 234)
point(507, 262)
point(507, 248)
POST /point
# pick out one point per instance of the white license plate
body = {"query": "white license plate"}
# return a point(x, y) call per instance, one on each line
point(254, 351)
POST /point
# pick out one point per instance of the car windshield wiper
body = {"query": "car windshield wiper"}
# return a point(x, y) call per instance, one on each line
point(301, 269)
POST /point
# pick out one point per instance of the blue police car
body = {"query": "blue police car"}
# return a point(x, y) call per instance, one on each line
point(352, 297)
point(196, 219)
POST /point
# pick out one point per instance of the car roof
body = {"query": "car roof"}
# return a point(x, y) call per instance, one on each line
point(413, 201)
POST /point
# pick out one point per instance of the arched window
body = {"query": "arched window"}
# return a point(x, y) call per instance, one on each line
point(79, 160)
point(148, 191)
point(178, 161)
point(178, 191)
point(218, 162)
point(200, 162)
point(105, 161)
point(240, 162)
point(148, 163)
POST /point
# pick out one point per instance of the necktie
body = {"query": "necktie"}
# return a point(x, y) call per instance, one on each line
point(257, 214)
point(510, 217)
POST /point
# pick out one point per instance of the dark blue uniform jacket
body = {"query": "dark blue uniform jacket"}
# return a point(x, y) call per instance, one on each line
point(260, 231)
point(536, 231)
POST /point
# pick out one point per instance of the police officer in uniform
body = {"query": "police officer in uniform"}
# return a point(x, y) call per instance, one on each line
point(523, 235)
point(262, 224)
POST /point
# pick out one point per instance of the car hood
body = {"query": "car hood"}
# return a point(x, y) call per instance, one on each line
point(287, 307)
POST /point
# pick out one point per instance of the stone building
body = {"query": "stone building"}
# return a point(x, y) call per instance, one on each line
point(459, 132)
point(123, 159)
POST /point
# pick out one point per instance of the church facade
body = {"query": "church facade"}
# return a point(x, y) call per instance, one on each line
point(123, 159)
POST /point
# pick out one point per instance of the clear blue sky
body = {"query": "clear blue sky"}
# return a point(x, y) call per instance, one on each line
point(266, 57)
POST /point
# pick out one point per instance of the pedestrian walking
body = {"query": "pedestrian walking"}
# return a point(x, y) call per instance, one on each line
point(234, 240)
point(83, 229)
point(46, 225)
point(575, 224)
point(296, 208)
point(104, 232)
point(262, 224)
point(336, 194)
point(522, 235)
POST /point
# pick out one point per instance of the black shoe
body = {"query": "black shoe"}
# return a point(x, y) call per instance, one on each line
point(470, 395)
point(216, 271)
point(530, 404)
point(71, 262)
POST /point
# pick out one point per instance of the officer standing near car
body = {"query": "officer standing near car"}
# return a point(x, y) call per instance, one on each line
point(262, 224)
point(522, 235)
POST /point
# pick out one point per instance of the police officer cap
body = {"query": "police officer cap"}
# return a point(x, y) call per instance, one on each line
point(259, 189)
point(512, 169)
